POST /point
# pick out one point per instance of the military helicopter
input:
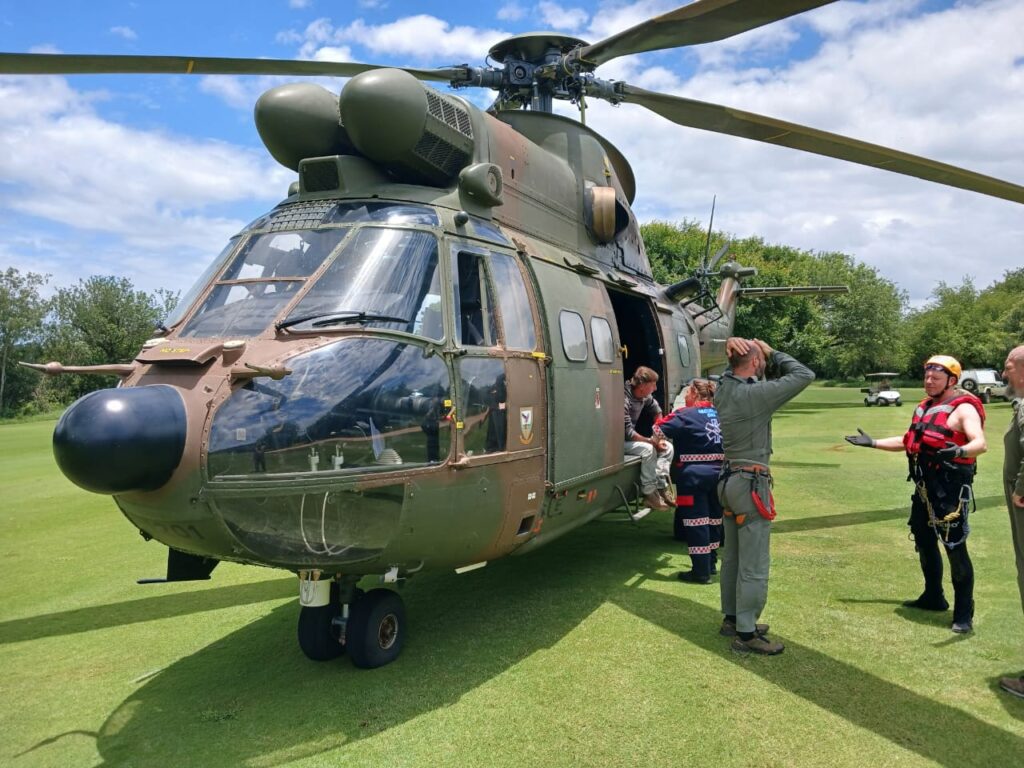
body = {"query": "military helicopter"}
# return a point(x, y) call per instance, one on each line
point(416, 360)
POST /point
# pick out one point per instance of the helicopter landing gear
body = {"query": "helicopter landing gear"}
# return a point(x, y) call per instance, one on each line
point(318, 634)
point(375, 632)
point(336, 617)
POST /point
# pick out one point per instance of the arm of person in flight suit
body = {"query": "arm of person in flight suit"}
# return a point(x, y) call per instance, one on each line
point(793, 378)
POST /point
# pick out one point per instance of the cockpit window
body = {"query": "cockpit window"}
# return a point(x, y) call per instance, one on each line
point(264, 276)
point(356, 404)
point(385, 278)
point(186, 301)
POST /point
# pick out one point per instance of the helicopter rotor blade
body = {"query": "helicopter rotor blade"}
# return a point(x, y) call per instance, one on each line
point(87, 64)
point(703, 21)
point(717, 257)
point(747, 125)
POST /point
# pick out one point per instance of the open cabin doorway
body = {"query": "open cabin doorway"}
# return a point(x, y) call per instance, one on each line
point(640, 340)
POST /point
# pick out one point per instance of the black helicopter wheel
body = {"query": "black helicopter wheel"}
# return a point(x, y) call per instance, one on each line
point(318, 635)
point(375, 632)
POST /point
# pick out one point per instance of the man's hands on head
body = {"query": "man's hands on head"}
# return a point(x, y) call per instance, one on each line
point(735, 346)
point(861, 440)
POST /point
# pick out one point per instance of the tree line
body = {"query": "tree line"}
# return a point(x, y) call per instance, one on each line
point(871, 328)
point(99, 320)
point(104, 319)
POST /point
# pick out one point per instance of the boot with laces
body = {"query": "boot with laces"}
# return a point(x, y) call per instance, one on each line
point(759, 644)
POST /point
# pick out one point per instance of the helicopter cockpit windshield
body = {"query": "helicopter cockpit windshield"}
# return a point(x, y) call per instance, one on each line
point(379, 275)
point(382, 276)
point(354, 404)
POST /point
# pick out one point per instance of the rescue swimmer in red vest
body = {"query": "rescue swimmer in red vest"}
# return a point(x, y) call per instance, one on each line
point(655, 452)
point(745, 401)
point(696, 435)
point(946, 435)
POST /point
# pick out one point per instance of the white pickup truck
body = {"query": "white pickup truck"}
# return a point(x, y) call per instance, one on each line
point(985, 383)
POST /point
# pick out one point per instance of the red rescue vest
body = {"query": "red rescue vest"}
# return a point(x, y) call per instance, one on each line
point(928, 429)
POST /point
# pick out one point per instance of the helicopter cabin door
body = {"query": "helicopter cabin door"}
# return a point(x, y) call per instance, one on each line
point(640, 344)
point(585, 379)
point(500, 409)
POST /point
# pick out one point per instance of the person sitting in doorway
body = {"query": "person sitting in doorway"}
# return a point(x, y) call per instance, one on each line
point(655, 451)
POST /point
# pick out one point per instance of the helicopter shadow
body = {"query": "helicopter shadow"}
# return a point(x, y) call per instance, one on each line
point(158, 606)
point(251, 696)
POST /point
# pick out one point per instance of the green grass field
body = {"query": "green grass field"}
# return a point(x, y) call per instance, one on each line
point(587, 653)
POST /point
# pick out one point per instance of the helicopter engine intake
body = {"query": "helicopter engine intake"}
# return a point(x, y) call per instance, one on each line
point(119, 440)
point(414, 131)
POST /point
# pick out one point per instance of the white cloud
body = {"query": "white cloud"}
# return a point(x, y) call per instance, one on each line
point(144, 203)
point(126, 32)
point(923, 85)
point(299, 4)
point(419, 37)
point(557, 16)
point(511, 12)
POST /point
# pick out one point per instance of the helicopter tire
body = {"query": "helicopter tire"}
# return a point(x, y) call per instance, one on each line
point(318, 636)
point(899, 403)
point(375, 632)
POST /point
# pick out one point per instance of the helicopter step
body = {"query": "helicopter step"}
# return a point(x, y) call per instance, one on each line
point(335, 617)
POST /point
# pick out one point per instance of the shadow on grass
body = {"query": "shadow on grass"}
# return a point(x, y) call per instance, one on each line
point(807, 464)
point(143, 609)
point(250, 697)
point(821, 522)
point(916, 615)
point(934, 730)
point(804, 406)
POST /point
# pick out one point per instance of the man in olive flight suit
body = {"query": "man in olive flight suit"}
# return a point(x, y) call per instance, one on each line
point(745, 402)
point(1013, 482)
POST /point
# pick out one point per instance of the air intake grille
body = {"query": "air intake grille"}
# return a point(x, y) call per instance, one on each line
point(439, 154)
point(449, 113)
point(300, 215)
point(320, 177)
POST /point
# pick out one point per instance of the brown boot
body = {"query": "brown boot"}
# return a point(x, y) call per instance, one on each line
point(667, 494)
point(1013, 685)
point(757, 644)
point(728, 628)
point(654, 501)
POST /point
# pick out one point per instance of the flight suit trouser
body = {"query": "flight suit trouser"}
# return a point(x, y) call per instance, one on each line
point(746, 553)
point(1017, 532)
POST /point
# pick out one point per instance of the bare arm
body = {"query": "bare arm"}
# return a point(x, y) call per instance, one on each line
point(970, 424)
point(894, 443)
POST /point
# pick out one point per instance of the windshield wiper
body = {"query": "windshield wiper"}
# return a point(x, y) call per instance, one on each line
point(323, 319)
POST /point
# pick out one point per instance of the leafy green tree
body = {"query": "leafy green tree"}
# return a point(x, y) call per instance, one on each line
point(975, 326)
point(102, 319)
point(21, 314)
point(837, 335)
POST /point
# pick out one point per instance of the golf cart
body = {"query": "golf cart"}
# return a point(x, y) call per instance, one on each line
point(880, 391)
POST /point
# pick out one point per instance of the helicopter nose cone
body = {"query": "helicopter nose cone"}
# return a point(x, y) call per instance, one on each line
point(118, 440)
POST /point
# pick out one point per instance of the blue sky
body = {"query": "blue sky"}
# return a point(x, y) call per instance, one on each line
point(147, 176)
